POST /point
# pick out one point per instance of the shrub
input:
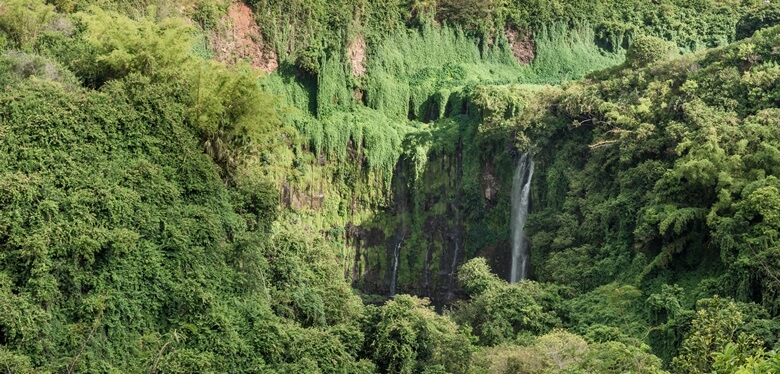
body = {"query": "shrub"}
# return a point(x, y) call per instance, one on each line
point(510, 359)
point(716, 328)
point(645, 50)
point(506, 313)
point(120, 46)
point(410, 336)
point(24, 20)
point(467, 12)
point(16, 66)
point(764, 16)
point(232, 115)
point(475, 277)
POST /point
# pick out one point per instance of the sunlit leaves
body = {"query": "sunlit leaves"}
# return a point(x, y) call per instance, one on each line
point(23, 21)
point(123, 46)
point(715, 328)
point(409, 336)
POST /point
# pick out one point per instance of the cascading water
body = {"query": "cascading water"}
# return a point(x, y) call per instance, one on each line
point(453, 272)
point(426, 269)
point(521, 193)
point(396, 254)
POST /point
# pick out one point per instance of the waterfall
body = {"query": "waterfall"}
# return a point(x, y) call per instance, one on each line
point(426, 269)
point(521, 192)
point(396, 254)
point(453, 272)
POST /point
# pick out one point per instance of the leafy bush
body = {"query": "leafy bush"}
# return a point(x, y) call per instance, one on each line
point(765, 15)
point(24, 20)
point(467, 12)
point(645, 50)
point(227, 107)
point(231, 113)
point(476, 277)
point(503, 313)
point(120, 46)
point(407, 336)
point(208, 12)
point(618, 357)
point(17, 66)
point(718, 327)
point(509, 359)
point(610, 305)
point(564, 352)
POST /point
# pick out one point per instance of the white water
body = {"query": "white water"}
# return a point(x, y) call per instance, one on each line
point(521, 192)
point(396, 254)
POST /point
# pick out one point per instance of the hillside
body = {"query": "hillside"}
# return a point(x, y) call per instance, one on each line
point(344, 186)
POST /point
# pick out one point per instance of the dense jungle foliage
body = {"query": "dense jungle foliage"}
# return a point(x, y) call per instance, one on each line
point(347, 210)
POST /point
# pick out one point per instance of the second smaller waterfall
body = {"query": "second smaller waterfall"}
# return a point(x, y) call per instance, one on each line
point(396, 255)
point(521, 193)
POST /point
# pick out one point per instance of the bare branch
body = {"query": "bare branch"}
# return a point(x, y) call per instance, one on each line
point(603, 144)
point(84, 345)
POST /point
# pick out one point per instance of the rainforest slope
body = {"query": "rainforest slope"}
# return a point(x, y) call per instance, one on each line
point(207, 186)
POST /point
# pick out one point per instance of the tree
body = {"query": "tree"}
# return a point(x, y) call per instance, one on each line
point(467, 12)
point(23, 20)
point(476, 277)
point(766, 15)
point(714, 329)
point(410, 336)
point(645, 50)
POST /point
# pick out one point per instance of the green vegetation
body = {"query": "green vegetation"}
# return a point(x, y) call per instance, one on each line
point(163, 212)
point(669, 180)
point(645, 50)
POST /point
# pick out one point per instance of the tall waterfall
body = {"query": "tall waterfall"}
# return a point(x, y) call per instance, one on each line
point(521, 193)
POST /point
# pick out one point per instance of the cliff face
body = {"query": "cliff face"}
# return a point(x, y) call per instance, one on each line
point(447, 201)
point(406, 136)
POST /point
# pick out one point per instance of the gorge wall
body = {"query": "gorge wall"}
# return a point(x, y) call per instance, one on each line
point(405, 143)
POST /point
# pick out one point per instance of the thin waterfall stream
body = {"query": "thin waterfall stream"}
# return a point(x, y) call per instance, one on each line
point(521, 193)
point(396, 255)
point(453, 272)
